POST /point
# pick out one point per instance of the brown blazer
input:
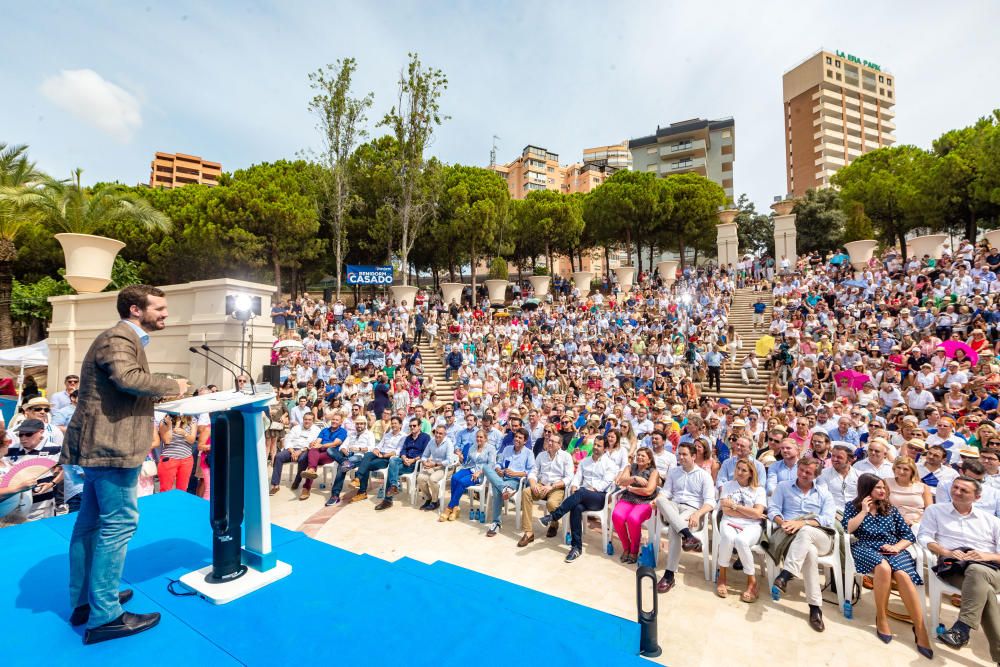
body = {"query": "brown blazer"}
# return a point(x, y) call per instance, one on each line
point(113, 422)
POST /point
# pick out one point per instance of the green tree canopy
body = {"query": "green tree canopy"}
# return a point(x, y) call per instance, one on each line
point(819, 221)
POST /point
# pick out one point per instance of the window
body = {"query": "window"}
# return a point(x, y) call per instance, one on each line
point(881, 91)
point(838, 76)
point(838, 64)
point(881, 79)
point(651, 151)
point(727, 133)
point(551, 169)
point(889, 93)
point(829, 73)
point(888, 81)
point(829, 60)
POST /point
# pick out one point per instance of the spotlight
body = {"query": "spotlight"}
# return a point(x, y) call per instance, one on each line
point(242, 307)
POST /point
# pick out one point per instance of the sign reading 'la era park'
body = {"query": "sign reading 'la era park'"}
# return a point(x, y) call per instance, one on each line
point(860, 61)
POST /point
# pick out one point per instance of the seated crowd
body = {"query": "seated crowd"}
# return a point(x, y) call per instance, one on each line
point(878, 431)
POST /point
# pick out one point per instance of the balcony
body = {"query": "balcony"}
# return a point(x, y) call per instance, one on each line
point(888, 125)
point(683, 165)
point(686, 148)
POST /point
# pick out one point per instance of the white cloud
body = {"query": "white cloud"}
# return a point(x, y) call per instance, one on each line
point(95, 100)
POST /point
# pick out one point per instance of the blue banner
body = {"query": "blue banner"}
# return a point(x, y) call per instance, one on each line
point(369, 275)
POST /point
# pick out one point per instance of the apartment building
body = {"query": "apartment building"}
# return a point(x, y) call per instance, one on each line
point(172, 170)
point(706, 147)
point(837, 107)
point(538, 168)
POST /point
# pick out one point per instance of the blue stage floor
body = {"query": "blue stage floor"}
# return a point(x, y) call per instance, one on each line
point(336, 606)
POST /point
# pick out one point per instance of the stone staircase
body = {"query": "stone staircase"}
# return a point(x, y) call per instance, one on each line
point(741, 317)
point(434, 365)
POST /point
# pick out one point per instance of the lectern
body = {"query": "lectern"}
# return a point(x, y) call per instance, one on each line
point(238, 495)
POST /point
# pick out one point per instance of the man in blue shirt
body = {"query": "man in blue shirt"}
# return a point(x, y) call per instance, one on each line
point(713, 360)
point(804, 513)
point(413, 448)
point(513, 465)
point(466, 437)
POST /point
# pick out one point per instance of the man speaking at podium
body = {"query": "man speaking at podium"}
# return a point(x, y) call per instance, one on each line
point(109, 436)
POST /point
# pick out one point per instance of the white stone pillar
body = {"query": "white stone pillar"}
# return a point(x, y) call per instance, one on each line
point(727, 238)
point(784, 231)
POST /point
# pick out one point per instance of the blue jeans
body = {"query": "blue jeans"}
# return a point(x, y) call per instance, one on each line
point(369, 463)
point(396, 468)
point(499, 484)
point(108, 517)
point(461, 481)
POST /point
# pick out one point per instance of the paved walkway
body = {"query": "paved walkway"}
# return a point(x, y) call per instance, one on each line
point(696, 629)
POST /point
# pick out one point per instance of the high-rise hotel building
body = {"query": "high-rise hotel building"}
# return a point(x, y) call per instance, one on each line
point(838, 106)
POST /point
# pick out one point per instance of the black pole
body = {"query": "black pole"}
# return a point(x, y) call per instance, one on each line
point(648, 646)
point(226, 505)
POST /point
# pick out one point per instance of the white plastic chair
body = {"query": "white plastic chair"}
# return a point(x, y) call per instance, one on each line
point(756, 549)
point(702, 534)
point(449, 470)
point(410, 478)
point(603, 516)
point(516, 498)
point(936, 589)
point(852, 576)
point(480, 492)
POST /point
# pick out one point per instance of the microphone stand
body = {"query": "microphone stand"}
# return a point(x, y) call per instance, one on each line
point(195, 350)
point(243, 371)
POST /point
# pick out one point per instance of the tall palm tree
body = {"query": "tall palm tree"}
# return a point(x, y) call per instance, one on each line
point(19, 179)
point(69, 207)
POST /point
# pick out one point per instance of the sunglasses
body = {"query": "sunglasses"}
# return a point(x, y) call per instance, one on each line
point(40, 409)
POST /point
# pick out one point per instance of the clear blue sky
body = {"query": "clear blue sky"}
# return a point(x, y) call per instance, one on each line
point(103, 86)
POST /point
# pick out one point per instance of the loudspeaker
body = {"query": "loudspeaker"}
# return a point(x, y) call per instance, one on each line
point(272, 375)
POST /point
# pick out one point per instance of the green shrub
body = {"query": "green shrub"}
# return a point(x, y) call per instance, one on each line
point(498, 269)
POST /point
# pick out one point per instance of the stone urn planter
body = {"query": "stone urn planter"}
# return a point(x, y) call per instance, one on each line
point(993, 237)
point(540, 285)
point(861, 252)
point(668, 271)
point(401, 293)
point(582, 280)
point(626, 277)
point(88, 260)
point(451, 292)
point(931, 244)
point(497, 290)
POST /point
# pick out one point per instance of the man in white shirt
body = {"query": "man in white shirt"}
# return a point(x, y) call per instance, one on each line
point(687, 496)
point(548, 481)
point(588, 492)
point(876, 462)
point(918, 398)
point(437, 456)
point(663, 458)
point(932, 469)
point(988, 500)
point(378, 458)
point(963, 531)
point(841, 478)
point(298, 410)
point(354, 448)
point(990, 459)
point(296, 448)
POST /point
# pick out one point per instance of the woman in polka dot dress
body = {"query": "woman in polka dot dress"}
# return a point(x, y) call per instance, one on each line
point(881, 538)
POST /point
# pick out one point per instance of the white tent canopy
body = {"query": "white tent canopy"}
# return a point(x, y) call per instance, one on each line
point(36, 354)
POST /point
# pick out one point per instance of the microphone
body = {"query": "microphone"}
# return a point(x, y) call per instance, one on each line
point(243, 371)
point(195, 350)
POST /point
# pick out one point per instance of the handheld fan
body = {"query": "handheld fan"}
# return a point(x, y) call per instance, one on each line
point(25, 471)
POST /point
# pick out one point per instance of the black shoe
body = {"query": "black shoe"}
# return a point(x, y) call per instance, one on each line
point(426, 506)
point(573, 554)
point(433, 507)
point(545, 520)
point(295, 484)
point(553, 529)
point(332, 500)
point(816, 619)
point(384, 505)
point(81, 614)
point(123, 626)
point(953, 638)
